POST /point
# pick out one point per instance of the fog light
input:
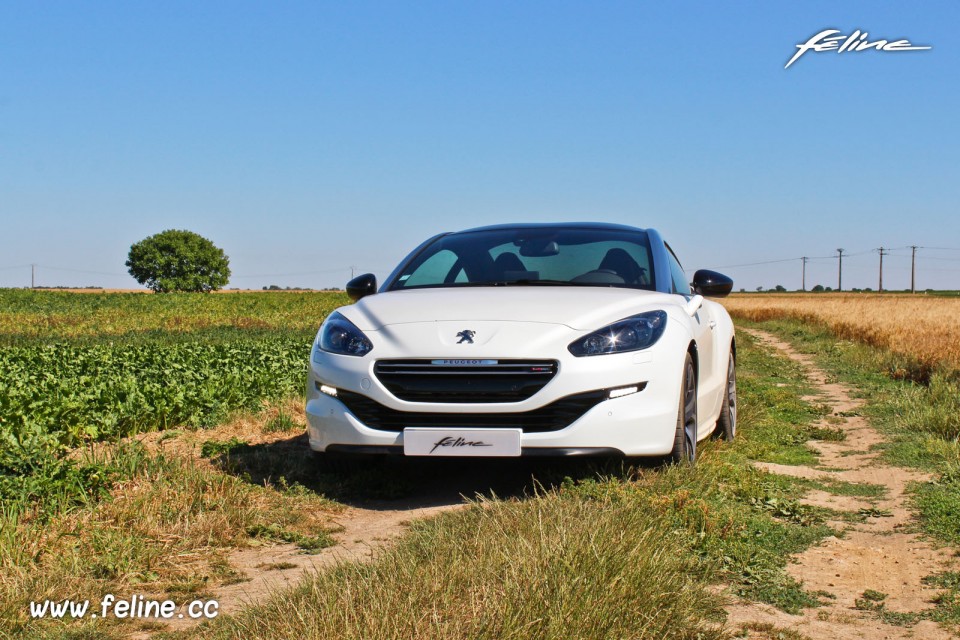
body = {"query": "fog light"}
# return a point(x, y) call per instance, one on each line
point(322, 388)
point(626, 391)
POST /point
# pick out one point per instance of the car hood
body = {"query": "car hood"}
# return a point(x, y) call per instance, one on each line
point(580, 308)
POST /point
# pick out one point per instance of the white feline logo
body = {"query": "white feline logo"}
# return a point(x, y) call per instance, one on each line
point(856, 41)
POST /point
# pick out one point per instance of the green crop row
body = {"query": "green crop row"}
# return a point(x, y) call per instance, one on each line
point(55, 397)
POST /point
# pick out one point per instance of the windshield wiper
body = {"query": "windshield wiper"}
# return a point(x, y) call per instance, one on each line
point(523, 282)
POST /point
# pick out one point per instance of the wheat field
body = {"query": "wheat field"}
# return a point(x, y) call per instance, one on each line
point(923, 327)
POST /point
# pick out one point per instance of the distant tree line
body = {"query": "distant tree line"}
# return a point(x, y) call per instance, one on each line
point(60, 286)
point(819, 288)
point(275, 287)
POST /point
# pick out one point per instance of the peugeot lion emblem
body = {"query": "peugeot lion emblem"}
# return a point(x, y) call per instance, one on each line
point(466, 336)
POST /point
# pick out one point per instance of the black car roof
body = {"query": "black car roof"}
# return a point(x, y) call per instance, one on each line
point(555, 225)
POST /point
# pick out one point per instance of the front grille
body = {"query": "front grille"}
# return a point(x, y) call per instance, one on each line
point(464, 380)
point(553, 417)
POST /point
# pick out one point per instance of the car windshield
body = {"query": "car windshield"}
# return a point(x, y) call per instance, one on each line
point(532, 256)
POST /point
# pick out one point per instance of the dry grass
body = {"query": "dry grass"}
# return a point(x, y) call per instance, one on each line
point(253, 428)
point(168, 526)
point(925, 329)
point(553, 567)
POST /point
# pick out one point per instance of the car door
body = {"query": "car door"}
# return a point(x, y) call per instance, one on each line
point(704, 329)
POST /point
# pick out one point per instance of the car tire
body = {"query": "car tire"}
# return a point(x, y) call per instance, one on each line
point(685, 438)
point(727, 422)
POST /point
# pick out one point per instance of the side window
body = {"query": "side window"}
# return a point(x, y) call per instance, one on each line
point(680, 284)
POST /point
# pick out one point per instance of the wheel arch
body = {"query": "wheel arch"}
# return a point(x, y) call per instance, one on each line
point(695, 355)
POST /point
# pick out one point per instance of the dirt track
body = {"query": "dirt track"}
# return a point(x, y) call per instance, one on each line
point(880, 554)
point(271, 568)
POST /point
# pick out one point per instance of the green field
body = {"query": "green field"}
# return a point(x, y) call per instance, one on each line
point(27, 317)
point(550, 550)
point(87, 367)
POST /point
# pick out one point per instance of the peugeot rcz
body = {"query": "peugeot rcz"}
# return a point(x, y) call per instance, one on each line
point(527, 340)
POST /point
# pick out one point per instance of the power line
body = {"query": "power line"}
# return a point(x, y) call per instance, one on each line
point(755, 264)
point(99, 273)
point(281, 275)
point(939, 259)
point(304, 273)
point(35, 268)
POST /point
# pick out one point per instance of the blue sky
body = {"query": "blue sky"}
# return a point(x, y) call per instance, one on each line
point(308, 138)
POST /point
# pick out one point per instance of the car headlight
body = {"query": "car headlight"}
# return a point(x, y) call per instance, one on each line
point(630, 334)
point(339, 335)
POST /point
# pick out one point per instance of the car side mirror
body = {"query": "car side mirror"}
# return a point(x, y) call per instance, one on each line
point(711, 284)
point(362, 286)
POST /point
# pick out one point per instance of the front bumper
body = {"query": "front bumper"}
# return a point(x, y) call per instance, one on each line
point(639, 424)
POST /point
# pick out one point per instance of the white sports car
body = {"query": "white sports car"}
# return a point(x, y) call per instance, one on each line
point(524, 340)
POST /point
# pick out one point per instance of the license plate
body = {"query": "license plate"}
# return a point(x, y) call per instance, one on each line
point(439, 442)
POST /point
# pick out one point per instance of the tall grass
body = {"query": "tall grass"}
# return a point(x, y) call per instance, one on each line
point(555, 567)
point(934, 409)
point(922, 330)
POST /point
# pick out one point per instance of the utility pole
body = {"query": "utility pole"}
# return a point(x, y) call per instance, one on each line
point(351, 271)
point(840, 270)
point(913, 269)
point(880, 288)
point(33, 276)
point(804, 272)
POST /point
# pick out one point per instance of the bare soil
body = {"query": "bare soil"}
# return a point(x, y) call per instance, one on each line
point(881, 554)
point(268, 569)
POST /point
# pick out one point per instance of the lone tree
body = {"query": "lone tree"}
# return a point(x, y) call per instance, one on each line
point(175, 260)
